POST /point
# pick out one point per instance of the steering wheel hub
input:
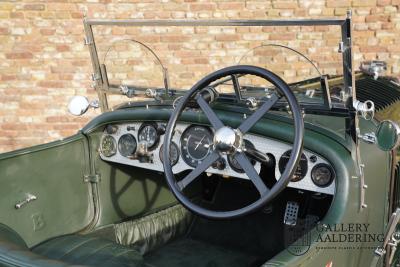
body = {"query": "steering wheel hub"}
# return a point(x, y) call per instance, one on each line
point(227, 140)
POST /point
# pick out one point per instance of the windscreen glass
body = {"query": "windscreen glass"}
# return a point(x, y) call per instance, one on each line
point(177, 57)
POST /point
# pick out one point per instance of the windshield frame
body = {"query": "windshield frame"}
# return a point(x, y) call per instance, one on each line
point(102, 87)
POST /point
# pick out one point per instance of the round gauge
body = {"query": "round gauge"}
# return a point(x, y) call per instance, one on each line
point(148, 134)
point(173, 153)
point(301, 169)
point(322, 175)
point(196, 144)
point(108, 146)
point(127, 145)
point(235, 164)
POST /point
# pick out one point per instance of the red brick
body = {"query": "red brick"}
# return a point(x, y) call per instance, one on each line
point(6, 77)
point(174, 38)
point(338, 3)
point(285, 4)
point(375, 49)
point(202, 6)
point(231, 5)
point(63, 48)
point(47, 31)
point(283, 36)
point(227, 37)
point(17, 15)
point(51, 84)
point(34, 7)
point(19, 55)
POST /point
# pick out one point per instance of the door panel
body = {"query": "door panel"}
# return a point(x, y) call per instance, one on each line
point(54, 174)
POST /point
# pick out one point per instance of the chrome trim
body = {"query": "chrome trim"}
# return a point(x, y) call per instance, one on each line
point(191, 22)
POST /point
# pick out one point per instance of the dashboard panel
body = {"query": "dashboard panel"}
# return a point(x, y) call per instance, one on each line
point(140, 144)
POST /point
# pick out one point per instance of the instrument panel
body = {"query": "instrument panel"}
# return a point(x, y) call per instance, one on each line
point(140, 144)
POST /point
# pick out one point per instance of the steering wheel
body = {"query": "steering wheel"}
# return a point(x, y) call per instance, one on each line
point(230, 141)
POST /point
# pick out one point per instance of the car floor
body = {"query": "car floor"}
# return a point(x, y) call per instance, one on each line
point(243, 242)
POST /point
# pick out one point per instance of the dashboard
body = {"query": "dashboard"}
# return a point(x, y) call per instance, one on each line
point(140, 144)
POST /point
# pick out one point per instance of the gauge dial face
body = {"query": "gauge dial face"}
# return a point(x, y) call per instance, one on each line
point(127, 145)
point(322, 175)
point(148, 133)
point(196, 144)
point(108, 146)
point(301, 169)
point(173, 153)
point(235, 164)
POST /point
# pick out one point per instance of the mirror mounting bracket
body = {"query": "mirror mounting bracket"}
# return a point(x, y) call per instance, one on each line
point(369, 138)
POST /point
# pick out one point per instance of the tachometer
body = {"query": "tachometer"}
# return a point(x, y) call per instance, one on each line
point(127, 145)
point(196, 144)
point(108, 146)
point(148, 133)
point(173, 153)
point(301, 170)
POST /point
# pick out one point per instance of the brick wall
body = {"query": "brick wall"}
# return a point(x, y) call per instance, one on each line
point(43, 61)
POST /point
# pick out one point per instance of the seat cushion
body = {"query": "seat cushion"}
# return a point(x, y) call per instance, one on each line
point(90, 251)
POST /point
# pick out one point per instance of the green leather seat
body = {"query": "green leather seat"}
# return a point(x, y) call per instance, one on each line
point(90, 251)
point(65, 251)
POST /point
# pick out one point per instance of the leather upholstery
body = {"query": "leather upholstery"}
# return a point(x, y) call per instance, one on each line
point(14, 252)
point(66, 251)
point(90, 251)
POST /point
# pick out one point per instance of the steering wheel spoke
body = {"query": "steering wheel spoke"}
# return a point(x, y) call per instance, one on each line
point(251, 173)
point(210, 114)
point(257, 115)
point(210, 159)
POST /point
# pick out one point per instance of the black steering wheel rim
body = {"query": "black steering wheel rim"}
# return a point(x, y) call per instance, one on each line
point(283, 89)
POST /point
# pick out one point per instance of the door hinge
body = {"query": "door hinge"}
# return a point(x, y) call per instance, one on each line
point(91, 178)
point(95, 77)
point(87, 41)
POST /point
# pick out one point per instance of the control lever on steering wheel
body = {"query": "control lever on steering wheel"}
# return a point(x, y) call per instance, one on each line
point(257, 155)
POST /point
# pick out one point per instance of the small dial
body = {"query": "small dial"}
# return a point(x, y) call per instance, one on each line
point(148, 134)
point(127, 145)
point(196, 144)
point(108, 146)
point(235, 164)
point(322, 175)
point(173, 153)
point(301, 169)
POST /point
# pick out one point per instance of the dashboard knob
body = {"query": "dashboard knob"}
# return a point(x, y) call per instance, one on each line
point(161, 129)
point(220, 164)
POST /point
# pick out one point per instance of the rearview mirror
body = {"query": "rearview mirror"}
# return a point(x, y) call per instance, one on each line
point(388, 135)
point(78, 105)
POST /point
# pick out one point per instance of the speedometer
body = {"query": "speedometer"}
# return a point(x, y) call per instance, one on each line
point(196, 144)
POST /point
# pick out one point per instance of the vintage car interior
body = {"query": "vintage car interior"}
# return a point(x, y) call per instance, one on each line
point(202, 177)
